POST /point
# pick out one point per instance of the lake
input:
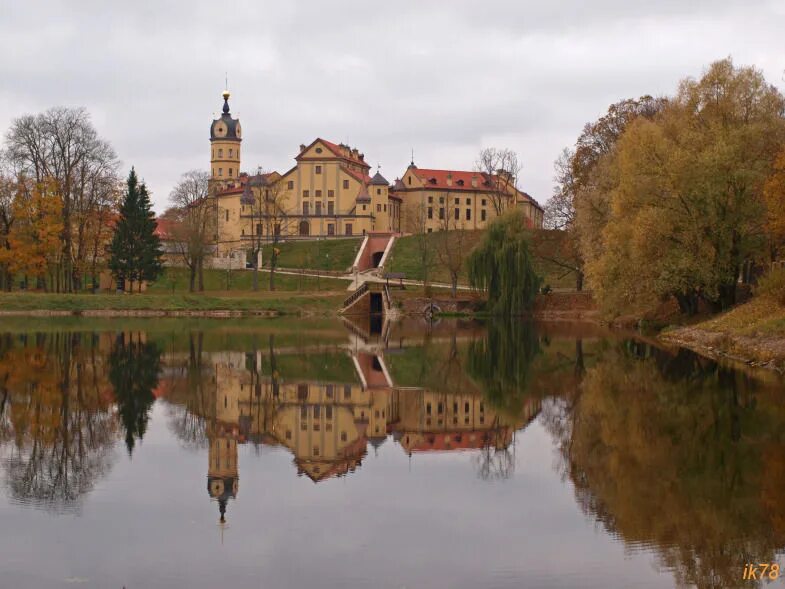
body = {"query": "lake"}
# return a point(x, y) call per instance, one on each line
point(291, 453)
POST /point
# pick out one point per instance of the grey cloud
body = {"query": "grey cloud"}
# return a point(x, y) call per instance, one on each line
point(443, 78)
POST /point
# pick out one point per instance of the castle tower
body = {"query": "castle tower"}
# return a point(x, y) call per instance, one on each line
point(225, 138)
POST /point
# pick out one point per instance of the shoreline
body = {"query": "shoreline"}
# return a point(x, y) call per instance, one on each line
point(758, 352)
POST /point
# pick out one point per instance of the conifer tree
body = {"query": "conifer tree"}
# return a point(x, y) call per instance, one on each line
point(135, 252)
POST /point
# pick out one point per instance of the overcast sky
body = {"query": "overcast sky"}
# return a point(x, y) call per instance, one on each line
point(442, 78)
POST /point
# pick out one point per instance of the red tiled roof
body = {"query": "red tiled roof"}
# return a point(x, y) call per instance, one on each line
point(163, 227)
point(438, 179)
point(363, 179)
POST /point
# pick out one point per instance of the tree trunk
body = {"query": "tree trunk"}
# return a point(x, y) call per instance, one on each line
point(255, 270)
point(454, 278)
point(579, 281)
point(191, 277)
point(201, 275)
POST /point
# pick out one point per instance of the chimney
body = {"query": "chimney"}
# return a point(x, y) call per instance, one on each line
point(474, 180)
point(449, 178)
point(362, 157)
point(302, 147)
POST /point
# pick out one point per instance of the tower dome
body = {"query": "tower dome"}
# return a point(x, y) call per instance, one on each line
point(225, 127)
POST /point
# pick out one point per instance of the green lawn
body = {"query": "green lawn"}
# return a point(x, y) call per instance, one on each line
point(324, 254)
point(287, 303)
point(405, 258)
point(176, 280)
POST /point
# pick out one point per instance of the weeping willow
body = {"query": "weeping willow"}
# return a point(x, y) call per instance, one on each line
point(501, 266)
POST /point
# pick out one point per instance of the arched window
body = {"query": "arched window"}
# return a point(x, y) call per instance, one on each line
point(304, 228)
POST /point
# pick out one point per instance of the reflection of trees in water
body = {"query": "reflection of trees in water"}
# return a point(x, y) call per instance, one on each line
point(191, 384)
point(501, 362)
point(55, 410)
point(677, 453)
point(133, 371)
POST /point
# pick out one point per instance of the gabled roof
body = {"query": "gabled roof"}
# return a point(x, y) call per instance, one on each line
point(338, 150)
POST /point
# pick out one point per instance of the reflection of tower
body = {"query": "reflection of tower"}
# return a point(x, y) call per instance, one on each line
point(222, 479)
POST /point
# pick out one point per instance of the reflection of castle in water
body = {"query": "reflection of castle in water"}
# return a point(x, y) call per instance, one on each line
point(327, 426)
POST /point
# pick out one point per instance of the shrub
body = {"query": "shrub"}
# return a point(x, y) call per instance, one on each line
point(772, 286)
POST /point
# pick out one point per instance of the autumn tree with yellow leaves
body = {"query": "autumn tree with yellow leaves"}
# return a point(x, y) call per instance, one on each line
point(676, 206)
point(34, 239)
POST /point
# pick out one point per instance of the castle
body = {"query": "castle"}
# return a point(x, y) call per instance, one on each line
point(330, 192)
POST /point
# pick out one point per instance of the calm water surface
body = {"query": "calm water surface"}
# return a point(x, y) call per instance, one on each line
point(277, 454)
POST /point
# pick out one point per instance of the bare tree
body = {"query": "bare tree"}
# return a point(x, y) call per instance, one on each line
point(193, 223)
point(264, 201)
point(61, 145)
point(500, 169)
point(451, 241)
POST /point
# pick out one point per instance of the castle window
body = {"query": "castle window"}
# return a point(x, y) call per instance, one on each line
point(220, 153)
point(305, 208)
point(430, 199)
point(343, 436)
point(318, 150)
point(347, 389)
point(306, 194)
point(328, 412)
point(365, 207)
point(378, 208)
point(482, 215)
point(330, 208)
point(304, 412)
point(484, 202)
point(468, 201)
point(430, 212)
point(345, 184)
point(460, 182)
point(227, 215)
point(348, 229)
point(468, 214)
point(230, 172)
point(409, 179)
point(441, 213)
point(318, 209)
point(231, 152)
point(457, 201)
point(220, 171)
point(316, 450)
point(441, 200)
point(457, 214)
point(378, 191)
point(330, 229)
point(318, 170)
point(330, 193)
point(385, 208)
point(290, 185)
point(427, 408)
point(318, 194)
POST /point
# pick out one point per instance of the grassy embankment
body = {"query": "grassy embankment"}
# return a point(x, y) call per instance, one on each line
point(294, 295)
point(334, 255)
point(753, 332)
point(405, 258)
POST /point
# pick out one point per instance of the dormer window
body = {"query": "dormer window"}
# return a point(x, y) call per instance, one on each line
point(432, 180)
point(460, 183)
point(318, 150)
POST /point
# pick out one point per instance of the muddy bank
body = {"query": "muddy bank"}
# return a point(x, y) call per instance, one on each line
point(767, 352)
